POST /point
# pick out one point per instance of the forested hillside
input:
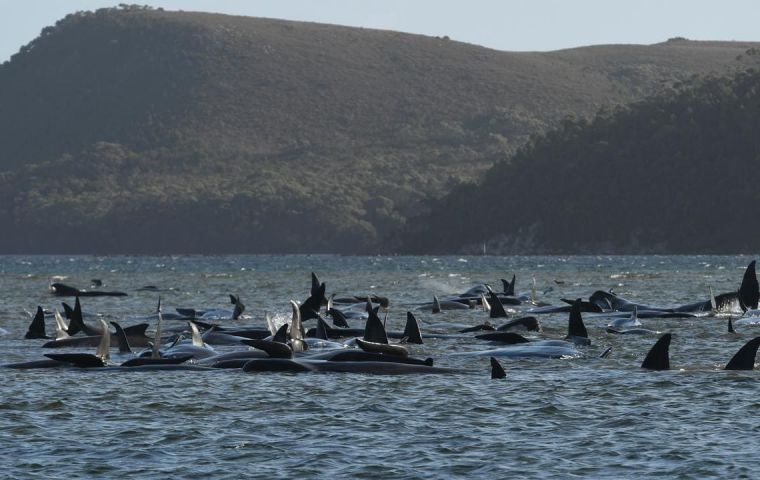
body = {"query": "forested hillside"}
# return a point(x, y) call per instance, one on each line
point(140, 130)
point(678, 172)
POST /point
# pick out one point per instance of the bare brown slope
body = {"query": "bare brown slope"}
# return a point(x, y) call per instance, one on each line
point(139, 122)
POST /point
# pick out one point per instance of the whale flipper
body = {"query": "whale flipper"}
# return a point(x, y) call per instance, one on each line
point(497, 371)
point(412, 330)
point(374, 331)
point(497, 309)
point(61, 326)
point(122, 338)
point(745, 357)
point(749, 291)
point(156, 350)
point(339, 318)
point(658, 357)
point(576, 330)
point(104, 347)
point(37, 327)
point(731, 326)
point(296, 327)
point(606, 353)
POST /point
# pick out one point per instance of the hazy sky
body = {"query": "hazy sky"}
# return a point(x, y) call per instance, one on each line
point(500, 24)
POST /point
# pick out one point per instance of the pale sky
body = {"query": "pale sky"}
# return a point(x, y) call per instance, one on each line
point(500, 24)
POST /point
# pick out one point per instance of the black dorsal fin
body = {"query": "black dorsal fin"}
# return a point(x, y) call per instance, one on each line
point(37, 327)
point(412, 330)
point(436, 305)
point(745, 357)
point(322, 328)
point(575, 326)
point(282, 334)
point(497, 309)
point(497, 371)
point(136, 330)
point(749, 291)
point(339, 318)
point(121, 336)
point(658, 357)
point(731, 326)
point(374, 331)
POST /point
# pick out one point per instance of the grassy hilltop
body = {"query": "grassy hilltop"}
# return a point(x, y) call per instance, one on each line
point(674, 173)
point(138, 130)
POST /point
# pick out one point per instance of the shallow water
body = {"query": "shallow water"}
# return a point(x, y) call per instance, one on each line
point(584, 417)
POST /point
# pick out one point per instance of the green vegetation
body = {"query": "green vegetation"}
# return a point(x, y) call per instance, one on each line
point(674, 173)
point(139, 130)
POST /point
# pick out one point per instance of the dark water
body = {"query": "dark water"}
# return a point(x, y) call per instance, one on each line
point(583, 417)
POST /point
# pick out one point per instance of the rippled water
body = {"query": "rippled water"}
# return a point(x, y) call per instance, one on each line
point(584, 417)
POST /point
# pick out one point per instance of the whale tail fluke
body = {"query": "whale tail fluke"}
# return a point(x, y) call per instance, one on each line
point(37, 327)
point(658, 357)
point(412, 332)
point(744, 359)
point(509, 287)
point(749, 291)
point(497, 371)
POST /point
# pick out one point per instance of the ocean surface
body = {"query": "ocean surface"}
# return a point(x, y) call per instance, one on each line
point(550, 418)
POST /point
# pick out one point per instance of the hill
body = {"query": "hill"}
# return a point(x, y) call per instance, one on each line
point(675, 173)
point(141, 130)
